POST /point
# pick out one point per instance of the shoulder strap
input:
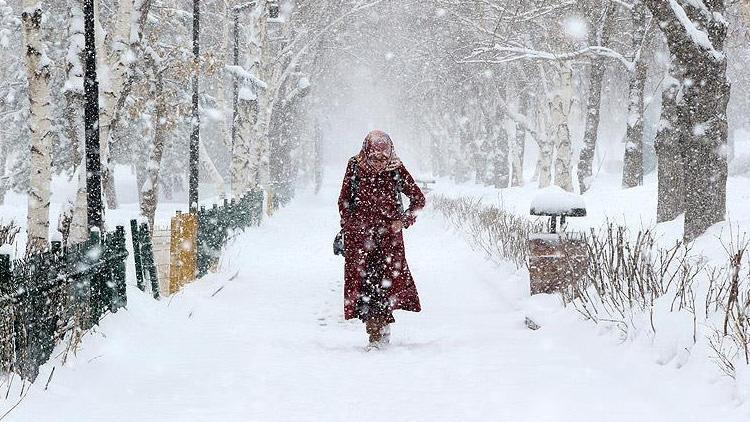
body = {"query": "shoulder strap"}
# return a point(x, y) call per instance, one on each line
point(355, 185)
point(399, 188)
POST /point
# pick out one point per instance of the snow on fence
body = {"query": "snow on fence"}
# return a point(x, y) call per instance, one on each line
point(146, 273)
point(8, 232)
point(48, 294)
point(215, 223)
point(67, 290)
point(171, 258)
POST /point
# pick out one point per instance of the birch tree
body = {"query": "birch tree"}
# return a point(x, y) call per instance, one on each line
point(74, 103)
point(632, 173)
point(38, 72)
point(130, 18)
point(560, 104)
point(603, 22)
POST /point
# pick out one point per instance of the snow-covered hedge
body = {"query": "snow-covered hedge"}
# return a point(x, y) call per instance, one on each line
point(501, 234)
point(669, 297)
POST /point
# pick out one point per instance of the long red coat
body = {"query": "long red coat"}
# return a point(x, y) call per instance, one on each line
point(367, 234)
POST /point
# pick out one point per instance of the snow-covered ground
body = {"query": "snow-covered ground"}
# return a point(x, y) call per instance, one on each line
point(263, 340)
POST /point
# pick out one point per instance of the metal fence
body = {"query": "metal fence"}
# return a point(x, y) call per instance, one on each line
point(215, 223)
point(50, 293)
point(143, 255)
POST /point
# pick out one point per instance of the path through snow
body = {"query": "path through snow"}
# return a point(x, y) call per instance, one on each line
point(264, 340)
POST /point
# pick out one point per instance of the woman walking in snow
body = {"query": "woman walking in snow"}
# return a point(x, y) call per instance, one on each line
point(377, 279)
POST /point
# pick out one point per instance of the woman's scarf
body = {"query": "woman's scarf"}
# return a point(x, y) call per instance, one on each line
point(378, 141)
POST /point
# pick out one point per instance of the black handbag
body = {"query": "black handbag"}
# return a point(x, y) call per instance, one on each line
point(338, 244)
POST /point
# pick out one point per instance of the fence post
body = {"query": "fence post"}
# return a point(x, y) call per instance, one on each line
point(148, 260)
point(137, 255)
point(258, 207)
point(7, 355)
point(120, 254)
point(218, 234)
point(204, 230)
point(234, 217)
point(91, 257)
point(4, 272)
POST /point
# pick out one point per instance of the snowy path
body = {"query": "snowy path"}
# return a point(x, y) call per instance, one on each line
point(263, 340)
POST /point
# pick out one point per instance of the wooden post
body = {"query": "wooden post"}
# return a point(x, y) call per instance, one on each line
point(182, 250)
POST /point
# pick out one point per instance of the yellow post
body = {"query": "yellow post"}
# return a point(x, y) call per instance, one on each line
point(183, 251)
point(269, 203)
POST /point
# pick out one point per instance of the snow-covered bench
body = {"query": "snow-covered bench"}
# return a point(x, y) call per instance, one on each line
point(423, 184)
point(556, 259)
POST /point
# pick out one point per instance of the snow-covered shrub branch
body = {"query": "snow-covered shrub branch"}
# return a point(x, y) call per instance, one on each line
point(501, 234)
point(635, 283)
point(628, 274)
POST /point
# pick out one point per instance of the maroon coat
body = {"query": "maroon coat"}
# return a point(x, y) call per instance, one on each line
point(367, 233)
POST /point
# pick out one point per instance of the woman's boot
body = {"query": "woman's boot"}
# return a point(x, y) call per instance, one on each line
point(373, 328)
point(385, 333)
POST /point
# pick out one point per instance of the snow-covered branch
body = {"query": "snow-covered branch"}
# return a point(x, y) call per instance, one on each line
point(509, 54)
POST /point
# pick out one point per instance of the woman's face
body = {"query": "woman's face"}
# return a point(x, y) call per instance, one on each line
point(378, 155)
point(378, 160)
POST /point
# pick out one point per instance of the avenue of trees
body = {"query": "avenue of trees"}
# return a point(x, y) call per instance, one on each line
point(642, 83)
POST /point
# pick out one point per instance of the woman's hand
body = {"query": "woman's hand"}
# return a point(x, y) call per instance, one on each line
point(396, 226)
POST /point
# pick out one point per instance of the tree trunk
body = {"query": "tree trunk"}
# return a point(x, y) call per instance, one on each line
point(209, 171)
point(195, 121)
point(705, 159)
point(3, 164)
point(704, 105)
point(501, 169)
point(110, 94)
point(317, 158)
point(262, 144)
point(131, 17)
point(560, 113)
point(38, 74)
point(244, 175)
point(669, 154)
point(632, 173)
point(593, 105)
point(149, 191)
point(519, 145)
point(74, 122)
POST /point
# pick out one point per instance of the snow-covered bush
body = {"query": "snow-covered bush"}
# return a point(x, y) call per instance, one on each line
point(667, 296)
point(501, 234)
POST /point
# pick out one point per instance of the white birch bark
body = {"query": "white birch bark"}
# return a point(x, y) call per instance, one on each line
point(208, 170)
point(243, 174)
point(149, 192)
point(544, 140)
point(75, 97)
point(131, 16)
point(265, 106)
point(560, 113)
point(3, 163)
point(38, 73)
point(519, 145)
point(117, 61)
